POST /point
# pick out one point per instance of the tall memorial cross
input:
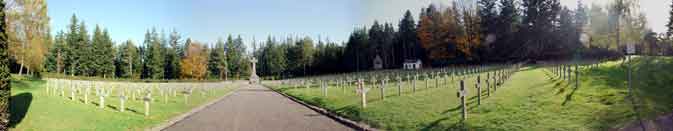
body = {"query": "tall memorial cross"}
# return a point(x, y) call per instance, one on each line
point(253, 74)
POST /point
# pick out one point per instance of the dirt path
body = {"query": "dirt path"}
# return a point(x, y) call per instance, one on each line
point(256, 108)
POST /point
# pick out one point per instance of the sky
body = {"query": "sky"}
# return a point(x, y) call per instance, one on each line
point(208, 20)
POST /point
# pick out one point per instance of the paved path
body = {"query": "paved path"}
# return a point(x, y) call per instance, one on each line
point(257, 108)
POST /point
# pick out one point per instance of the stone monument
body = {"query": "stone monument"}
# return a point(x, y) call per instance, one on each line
point(253, 74)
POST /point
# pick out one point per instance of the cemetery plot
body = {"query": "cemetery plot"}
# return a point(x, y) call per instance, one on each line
point(433, 91)
point(592, 96)
point(61, 104)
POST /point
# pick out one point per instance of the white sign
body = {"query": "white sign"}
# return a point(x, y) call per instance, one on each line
point(630, 49)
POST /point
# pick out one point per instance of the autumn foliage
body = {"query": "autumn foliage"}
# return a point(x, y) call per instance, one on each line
point(194, 64)
point(448, 33)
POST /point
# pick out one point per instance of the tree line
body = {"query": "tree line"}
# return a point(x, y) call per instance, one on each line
point(487, 31)
point(160, 56)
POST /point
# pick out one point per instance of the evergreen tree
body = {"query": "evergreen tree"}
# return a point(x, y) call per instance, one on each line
point(85, 52)
point(106, 63)
point(354, 56)
point(235, 58)
point(154, 59)
point(567, 33)
point(488, 14)
point(540, 16)
point(408, 39)
point(217, 60)
point(376, 41)
point(97, 51)
point(391, 53)
point(72, 48)
point(128, 61)
point(55, 58)
point(274, 57)
point(4, 71)
point(172, 67)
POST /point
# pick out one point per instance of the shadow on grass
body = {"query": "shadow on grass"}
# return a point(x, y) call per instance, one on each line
point(569, 97)
point(19, 107)
point(652, 79)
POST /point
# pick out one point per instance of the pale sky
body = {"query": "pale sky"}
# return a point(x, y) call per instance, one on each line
point(207, 20)
point(392, 10)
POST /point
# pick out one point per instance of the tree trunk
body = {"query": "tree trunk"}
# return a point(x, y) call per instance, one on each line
point(21, 67)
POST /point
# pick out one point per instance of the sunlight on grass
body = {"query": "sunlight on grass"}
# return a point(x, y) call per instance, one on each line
point(33, 109)
point(532, 99)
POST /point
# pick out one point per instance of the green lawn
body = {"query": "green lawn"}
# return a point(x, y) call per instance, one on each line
point(530, 100)
point(33, 109)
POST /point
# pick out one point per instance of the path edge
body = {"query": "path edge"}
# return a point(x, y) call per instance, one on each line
point(183, 116)
point(334, 116)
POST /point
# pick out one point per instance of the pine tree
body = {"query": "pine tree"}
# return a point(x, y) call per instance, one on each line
point(107, 55)
point(234, 56)
point(154, 59)
point(407, 37)
point(172, 64)
point(55, 58)
point(128, 64)
point(84, 52)
point(540, 16)
point(488, 14)
point(217, 60)
point(72, 56)
point(96, 50)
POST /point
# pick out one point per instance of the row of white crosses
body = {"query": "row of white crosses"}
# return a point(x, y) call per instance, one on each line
point(567, 70)
point(380, 79)
point(498, 78)
point(137, 91)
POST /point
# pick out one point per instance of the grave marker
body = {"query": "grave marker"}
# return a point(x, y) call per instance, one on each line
point(462, 94)
point(122, 99)
point(147, 99)
point(363, 92)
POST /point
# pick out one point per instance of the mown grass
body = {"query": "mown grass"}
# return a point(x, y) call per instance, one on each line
point(532, 99)
point(33, 109)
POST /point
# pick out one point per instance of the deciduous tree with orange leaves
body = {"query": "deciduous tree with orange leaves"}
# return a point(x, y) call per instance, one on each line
point(194, 64)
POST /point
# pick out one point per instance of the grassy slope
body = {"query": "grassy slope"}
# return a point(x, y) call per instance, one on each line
point(32, 109)
point(530, 100)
